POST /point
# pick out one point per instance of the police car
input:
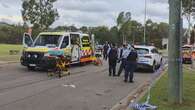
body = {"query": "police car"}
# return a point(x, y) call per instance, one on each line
point(148, 57)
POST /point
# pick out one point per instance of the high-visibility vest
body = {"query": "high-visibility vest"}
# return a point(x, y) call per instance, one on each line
point(193, 54)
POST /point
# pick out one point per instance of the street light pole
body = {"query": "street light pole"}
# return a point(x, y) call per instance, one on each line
point(145, 22)
point(174, 53)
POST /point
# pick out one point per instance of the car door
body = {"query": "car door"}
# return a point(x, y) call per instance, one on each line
point(158, 56)
point(155, 55)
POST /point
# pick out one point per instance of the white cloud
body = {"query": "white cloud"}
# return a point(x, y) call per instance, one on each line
point(158, 10)
point(91, 12)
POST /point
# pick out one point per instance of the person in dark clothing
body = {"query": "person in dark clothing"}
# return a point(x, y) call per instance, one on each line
point(112, 60)
point(131, 65)
point(105, 49)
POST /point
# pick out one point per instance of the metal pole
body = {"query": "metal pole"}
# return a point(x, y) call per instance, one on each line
point(174, 53)
point(145, 22)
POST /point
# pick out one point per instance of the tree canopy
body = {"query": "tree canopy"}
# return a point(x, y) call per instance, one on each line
point(40, 13)
point(131, 29)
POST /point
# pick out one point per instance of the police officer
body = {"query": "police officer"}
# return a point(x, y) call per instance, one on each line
point(112, 59)
point(131, 65)
point(124, 52)
point(105, 50)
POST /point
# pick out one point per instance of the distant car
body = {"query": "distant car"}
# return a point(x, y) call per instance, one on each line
point(98, 50)
point(148, 57)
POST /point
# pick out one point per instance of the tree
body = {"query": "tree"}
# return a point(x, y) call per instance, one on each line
point(123, 23)
point(123, 17)
point(136, 34)
point(73, 28)
point(188, 7)
point(40, 13)
point(114, 35)
point(84, 29)
point(102, 34)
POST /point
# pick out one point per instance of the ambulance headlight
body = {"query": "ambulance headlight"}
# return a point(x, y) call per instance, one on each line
point(28, 55)
point(46, 54)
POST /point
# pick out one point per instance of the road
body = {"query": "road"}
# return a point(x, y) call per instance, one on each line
point(87, 88)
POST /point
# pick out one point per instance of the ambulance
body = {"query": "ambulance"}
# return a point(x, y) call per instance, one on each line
point(76, 45)
point(187, 54)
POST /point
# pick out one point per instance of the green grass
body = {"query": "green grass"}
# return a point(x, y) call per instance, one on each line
point(164, 52)
point(159, 93)
point(4, 52)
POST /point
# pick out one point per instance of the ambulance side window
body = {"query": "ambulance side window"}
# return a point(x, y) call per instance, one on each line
point(85, 41)
point(75, 39)
point(65, 42)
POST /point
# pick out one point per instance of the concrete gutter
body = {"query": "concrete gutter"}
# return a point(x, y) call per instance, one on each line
point(137, 94)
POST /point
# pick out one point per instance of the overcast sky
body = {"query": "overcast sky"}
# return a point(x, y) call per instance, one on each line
point(91, 12)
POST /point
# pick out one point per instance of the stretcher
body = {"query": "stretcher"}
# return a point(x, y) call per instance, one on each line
point(61, 64)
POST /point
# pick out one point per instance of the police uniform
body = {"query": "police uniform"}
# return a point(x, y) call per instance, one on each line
point(112, 60)
point(124, 52)
point(131, 65)
point(105, 50)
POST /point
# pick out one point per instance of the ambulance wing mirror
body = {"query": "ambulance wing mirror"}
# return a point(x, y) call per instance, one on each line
point(27, 40)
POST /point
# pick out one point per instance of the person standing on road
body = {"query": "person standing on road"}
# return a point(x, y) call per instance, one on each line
point(131, 65)
point(105, 49)
point(112, 59)
point(124, 52)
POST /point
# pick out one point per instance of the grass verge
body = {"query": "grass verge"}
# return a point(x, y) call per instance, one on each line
point(159, 93)
point(4, 52)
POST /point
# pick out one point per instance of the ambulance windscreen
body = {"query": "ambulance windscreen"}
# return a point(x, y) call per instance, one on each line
point(51, 41)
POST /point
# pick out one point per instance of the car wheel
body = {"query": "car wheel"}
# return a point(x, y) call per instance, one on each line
point(161, 61)
point(153, 68)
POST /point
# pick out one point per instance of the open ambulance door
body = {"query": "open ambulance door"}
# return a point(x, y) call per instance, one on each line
point(93, 42)
point(27, 40)
point(75, 48)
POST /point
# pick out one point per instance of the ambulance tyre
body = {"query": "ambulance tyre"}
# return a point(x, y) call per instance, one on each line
point(31, 68)
point(83, 63)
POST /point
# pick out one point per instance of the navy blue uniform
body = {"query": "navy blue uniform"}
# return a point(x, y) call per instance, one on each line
point(131, 65)
point(112, 60)
point(105, 48)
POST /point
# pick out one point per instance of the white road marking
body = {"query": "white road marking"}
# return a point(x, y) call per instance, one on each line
point(69, 85)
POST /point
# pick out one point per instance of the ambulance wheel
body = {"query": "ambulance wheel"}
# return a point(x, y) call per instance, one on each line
point(59, 74)
point(32, 68)
point(83, 63)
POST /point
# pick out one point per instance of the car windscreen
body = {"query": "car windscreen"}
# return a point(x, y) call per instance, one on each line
point(142, 51)
point(50, 41)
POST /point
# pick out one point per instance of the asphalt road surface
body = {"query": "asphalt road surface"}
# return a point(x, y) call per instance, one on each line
point(87, 88)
